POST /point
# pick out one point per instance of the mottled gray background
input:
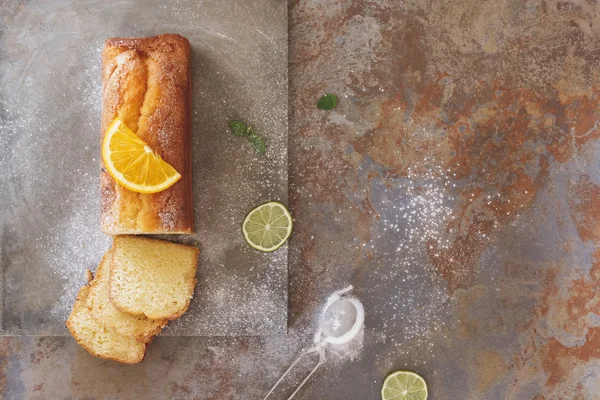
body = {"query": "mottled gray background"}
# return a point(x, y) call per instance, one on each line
point(456, 186)
point(50, 93)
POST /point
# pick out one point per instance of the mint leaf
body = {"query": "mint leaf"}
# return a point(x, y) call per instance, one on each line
point(257, 141)
point(238, 128)
point(327, 102)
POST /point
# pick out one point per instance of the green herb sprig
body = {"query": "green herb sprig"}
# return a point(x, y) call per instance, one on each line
point(256, 140)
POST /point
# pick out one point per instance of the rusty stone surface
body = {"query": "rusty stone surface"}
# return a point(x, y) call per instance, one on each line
point(456, 186)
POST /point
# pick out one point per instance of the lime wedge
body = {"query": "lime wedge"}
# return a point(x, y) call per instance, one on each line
point(404, 385)
point(268, 226)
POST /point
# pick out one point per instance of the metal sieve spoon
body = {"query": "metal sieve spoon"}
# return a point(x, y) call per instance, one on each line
point(341, 321)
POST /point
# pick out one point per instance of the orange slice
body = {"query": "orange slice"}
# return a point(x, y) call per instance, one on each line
point(132, 163)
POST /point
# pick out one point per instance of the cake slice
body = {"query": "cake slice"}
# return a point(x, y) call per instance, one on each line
point(104, 312)
point(151, 277)
point(99, 340)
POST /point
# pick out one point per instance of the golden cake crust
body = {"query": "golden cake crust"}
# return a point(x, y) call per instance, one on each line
point(83, 327)
point(147, 83)
point(104, 312)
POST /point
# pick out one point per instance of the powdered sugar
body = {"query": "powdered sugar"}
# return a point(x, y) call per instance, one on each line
point(50, 82)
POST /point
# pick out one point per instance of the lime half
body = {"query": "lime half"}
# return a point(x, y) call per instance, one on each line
point(268, 226)
point(404, 385)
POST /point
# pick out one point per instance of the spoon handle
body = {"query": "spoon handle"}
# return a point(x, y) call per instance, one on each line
point(320, 349)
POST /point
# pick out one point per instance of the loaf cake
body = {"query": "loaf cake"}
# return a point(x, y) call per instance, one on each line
point(152, 278)
point(103, 311)
point(146, 82)
point(99, 340)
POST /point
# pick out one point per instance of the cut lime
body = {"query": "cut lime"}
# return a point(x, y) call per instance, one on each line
point(404, 385)
point(268, 226)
